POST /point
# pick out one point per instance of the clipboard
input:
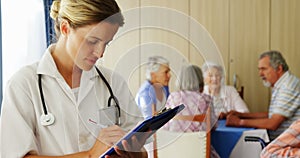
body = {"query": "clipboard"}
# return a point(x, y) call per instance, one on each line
point(152, 124)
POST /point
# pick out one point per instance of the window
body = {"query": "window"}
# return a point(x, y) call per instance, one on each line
point(23, 35)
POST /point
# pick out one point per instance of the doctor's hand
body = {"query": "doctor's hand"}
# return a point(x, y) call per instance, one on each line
point(106, 138)
point(133, 148)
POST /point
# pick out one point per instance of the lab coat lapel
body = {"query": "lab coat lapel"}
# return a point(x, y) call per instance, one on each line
point(47, 68)
point(86, 84)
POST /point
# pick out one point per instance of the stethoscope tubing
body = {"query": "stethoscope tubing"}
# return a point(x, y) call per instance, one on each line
point(50, 118)
point(42, 95)
point(112, 96)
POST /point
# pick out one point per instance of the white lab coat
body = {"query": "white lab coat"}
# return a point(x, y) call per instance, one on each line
point(21, 130)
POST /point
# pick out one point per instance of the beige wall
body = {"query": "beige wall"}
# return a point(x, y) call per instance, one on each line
point(249, 36)
point(176, 29)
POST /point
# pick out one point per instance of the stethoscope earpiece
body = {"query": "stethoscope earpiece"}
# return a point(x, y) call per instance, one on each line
point(47, 119)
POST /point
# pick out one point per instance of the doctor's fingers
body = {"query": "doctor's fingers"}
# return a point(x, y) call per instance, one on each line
point(137, 141)
point(135, 150)
point(123, 153)
point(135, 146)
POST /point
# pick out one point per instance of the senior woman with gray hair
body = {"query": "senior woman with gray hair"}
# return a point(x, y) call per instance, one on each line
point(225, 97)
point(190, 86)
point(152, 95)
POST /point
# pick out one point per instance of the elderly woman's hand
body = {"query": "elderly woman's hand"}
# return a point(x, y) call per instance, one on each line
point(233, 120)
point(222, 115)
point(233, 112)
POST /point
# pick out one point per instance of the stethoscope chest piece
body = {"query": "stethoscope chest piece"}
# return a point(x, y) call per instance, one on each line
point(47, 119)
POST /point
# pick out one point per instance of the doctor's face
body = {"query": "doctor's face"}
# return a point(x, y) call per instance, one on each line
point(87, 44)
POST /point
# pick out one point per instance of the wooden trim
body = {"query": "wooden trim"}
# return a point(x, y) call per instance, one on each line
point(198, 118)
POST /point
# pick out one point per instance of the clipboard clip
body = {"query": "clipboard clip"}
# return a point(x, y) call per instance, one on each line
point(163, 110)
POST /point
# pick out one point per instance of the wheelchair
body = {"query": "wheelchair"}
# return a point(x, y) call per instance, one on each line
point(256, 139)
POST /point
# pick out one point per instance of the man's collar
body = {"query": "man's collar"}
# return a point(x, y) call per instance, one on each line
point(281, 79)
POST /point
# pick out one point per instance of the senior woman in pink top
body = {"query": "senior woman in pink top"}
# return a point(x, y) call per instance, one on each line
point(190, 84)
point(225, 97)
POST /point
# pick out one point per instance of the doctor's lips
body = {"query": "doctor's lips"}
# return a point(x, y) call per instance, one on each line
point(91, 61)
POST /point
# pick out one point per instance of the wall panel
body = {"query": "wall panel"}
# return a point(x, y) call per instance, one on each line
point(122, 55)
point(249, 36)
point(164, 32)
point(213, 15)
point(285, 31)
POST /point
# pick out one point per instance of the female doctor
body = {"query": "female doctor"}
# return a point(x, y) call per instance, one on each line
point(50, 108)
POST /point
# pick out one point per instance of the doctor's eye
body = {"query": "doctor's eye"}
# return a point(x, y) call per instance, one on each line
point(92, 41)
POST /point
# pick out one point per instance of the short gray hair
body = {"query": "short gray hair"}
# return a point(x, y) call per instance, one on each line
point(190, 78)
point(153, 65)
point(276, 59)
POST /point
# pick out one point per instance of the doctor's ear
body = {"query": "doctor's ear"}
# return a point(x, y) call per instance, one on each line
point(65, 27)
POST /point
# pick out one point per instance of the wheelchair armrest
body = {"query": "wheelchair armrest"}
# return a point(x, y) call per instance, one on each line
point(256, 139)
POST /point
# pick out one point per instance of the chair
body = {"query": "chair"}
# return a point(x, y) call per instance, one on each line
point(191, 144)
point(251, 143)
point(241, 92)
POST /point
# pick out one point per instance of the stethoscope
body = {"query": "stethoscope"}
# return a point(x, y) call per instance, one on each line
point(48, 118)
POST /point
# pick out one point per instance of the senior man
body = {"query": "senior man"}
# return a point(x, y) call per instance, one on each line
point(285, 100)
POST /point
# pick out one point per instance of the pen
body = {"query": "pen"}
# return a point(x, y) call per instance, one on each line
point(97, 124)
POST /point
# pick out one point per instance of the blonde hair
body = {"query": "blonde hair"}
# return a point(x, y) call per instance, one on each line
point(81, 13)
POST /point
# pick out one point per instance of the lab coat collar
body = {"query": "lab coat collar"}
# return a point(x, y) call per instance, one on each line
point(47, 65)
point(86, 84)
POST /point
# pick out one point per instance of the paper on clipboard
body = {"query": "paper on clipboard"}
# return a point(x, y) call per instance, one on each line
point(152, 124)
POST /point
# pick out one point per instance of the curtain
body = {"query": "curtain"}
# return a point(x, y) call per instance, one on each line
point(50, 32)
point(0, 55)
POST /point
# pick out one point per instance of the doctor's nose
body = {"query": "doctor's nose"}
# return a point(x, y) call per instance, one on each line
point(99, 51)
